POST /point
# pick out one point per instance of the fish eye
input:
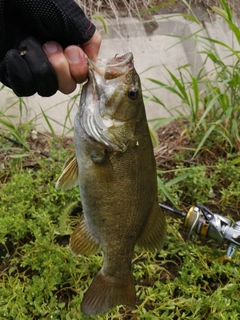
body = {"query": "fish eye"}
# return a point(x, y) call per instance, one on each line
point(133, 93)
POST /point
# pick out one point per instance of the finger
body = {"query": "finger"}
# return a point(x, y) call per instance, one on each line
point(54, 52)
point(28, 71)
point(42, 71)
point(15, 74)
point(91, 48)
point(77, 63)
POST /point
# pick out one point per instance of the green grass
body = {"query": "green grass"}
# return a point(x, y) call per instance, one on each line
point(41, 279)
point(210, 98)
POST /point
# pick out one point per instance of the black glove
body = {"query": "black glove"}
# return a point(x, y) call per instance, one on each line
point(25, 25)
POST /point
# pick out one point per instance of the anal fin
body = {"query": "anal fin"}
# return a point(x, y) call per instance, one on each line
point(154, 233)
point(82, 240)
point(106, 292)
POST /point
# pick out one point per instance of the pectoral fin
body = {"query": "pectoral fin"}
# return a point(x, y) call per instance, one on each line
point(82, 240)
point(69, 176)
point(154, 233)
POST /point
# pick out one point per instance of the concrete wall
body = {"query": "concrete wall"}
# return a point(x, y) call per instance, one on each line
point(152, 53)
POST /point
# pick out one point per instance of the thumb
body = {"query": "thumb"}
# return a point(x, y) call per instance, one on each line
point(91, 48)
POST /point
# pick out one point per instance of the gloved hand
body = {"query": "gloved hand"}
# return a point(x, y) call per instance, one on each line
point(25, 25)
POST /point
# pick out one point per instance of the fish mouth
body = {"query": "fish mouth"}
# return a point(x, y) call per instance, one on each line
point(99, 126)
point(108, 69)
point(112, 68)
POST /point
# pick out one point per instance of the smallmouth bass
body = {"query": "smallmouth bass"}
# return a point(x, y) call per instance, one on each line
point(116, 172)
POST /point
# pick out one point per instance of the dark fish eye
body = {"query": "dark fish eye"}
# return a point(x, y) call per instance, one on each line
point(133, 93)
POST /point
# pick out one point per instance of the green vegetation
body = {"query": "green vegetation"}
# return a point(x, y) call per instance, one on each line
point(210, 99)
point(41, 279)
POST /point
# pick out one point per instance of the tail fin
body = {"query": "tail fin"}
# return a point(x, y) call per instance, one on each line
point(106, 292)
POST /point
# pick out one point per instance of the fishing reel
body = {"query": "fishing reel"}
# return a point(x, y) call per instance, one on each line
point(203, 222)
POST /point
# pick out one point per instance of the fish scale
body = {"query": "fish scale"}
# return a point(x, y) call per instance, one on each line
point(118, 185)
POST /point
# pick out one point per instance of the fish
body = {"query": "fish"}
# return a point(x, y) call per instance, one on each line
point(115, 169)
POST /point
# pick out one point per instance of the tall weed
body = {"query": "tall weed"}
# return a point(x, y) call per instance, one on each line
point(210, 99)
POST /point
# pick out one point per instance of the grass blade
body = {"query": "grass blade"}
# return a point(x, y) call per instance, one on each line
point(207, 134)
point(102, 20)
point(163, 189)
point(48, 123)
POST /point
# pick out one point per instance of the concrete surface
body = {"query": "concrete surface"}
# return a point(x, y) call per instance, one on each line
point(152, 53)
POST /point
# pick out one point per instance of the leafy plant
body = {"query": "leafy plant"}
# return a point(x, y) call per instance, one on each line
point(211, 98)
point(41, 279)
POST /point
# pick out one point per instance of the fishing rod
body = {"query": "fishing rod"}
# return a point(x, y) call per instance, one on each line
point(46, 155)
point(203, 222)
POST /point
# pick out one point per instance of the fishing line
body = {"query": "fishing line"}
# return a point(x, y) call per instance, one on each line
point(46, 155)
